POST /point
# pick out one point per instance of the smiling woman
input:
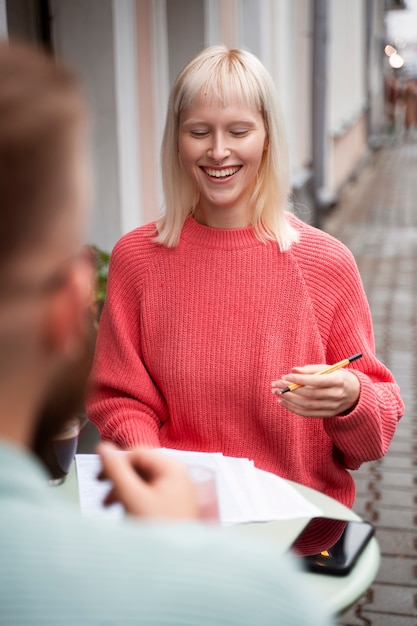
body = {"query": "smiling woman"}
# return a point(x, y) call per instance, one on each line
point(221, 149)
point(228, 292)
point(235, 84)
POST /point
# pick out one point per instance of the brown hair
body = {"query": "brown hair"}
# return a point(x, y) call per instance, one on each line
point(41, 105)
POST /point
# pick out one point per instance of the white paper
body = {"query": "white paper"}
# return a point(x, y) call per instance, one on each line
point(245, 493)
point(91, 491)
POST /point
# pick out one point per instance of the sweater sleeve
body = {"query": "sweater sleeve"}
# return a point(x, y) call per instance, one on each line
point(345, 325)
point(366, 432)
point(124, 402)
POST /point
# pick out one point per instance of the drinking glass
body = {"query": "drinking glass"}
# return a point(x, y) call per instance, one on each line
point(61, 450)
point(205, 481)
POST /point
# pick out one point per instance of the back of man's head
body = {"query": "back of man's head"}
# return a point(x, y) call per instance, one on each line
point(41, 107)
point(44, 190)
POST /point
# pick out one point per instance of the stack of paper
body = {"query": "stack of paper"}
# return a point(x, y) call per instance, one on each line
point(245, 493)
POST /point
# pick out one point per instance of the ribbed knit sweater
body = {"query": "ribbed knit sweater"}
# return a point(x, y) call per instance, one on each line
point(191, 337)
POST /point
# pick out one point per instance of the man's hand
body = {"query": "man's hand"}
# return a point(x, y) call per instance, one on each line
point(148, 484)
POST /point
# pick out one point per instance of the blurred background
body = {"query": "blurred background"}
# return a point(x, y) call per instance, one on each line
point(338, 67)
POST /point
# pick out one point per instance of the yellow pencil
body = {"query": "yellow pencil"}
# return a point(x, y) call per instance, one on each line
point(332, 368)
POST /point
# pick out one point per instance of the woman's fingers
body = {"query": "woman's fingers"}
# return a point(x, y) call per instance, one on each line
point(319, 395)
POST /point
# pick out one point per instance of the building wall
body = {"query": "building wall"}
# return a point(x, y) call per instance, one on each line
point(3, 20)
point(128, 53)
point(347, 90)
point(376, 69)
point(301, 151)
point(184, 41)
point(83, 34)
point(346, 63)
point(147, 111)
point(348, 152)
point(23, 19)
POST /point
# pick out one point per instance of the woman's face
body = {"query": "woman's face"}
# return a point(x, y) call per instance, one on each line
point(221, 149)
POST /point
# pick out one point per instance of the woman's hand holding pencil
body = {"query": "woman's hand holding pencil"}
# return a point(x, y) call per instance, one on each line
point(321, 390)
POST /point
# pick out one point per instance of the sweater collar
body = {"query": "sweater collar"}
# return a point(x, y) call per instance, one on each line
point(220, 238)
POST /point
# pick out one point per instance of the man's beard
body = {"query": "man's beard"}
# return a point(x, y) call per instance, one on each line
point(66, 396)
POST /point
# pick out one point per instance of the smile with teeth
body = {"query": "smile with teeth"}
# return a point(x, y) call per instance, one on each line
point(223, 173)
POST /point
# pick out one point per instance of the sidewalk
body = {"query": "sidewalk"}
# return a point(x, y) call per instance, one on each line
point(377, 219)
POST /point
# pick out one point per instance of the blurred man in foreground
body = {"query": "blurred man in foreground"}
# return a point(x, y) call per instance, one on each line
point(57, 568)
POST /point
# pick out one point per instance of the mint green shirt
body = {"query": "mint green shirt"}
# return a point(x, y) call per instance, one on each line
point(59, 569)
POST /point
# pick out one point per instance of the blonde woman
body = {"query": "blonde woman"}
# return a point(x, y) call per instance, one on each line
point(229, 292)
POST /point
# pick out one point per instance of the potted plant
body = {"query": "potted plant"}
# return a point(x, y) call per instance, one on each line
point(88, 437)
point(101, 260)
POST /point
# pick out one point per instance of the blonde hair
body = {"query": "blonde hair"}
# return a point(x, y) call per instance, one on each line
point(230, 76)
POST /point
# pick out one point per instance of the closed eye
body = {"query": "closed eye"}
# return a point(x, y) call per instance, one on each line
point(199, 133)
point(239, 133)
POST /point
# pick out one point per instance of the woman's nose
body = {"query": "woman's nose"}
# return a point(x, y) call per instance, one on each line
point(218, 150)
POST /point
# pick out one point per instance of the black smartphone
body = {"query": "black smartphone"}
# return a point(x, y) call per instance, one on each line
point(331, 546)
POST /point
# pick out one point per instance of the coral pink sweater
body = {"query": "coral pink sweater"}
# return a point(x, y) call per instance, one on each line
point(191, 337)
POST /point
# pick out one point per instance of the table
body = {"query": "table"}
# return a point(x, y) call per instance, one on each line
point(338, 593)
